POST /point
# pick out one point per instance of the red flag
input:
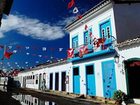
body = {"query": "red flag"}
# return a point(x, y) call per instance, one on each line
point(79, 16)
point(8, 54)
point(71, 4)
point(99, 42)
point(70, 53)
point(83, 50)
point(86, 27)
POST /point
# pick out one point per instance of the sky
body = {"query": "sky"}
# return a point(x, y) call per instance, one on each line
point(34, 31)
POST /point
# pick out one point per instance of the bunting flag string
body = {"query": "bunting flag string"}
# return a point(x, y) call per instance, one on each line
point(72, 5)
point(11, 51)
point(6, 54)
point(18, 47)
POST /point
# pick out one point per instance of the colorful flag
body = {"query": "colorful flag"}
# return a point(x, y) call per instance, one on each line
point(10, 47)
point(98, 42)
point(75, 10)
point(86, 27)
point(71, 4)
point(26, 62)
point(27, 53)
point(14, 51)
point(83, 50)
point(44, 48)
point(8, 54)
point(40, 56)
point(60, 49)
point(27, 47)
point(70, 53)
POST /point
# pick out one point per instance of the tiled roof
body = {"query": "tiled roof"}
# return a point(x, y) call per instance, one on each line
point(64, 61)
point(128, 42)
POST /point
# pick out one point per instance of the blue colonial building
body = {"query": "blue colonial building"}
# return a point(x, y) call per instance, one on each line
point(108, 30)
point(93, 46)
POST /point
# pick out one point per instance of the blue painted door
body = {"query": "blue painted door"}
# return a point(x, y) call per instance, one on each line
point(76, 81)
point(109, 78)
point(90, 80)
point(105, 31)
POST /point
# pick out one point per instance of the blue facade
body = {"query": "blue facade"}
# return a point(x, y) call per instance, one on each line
point(75, 42)
point(90, 80)
point(106, 31)
point(76, 80)
point(101, 46)
point(109, 78)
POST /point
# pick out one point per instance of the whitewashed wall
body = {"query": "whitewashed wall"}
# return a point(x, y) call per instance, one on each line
point(59, 69)
point(131, 51)
point(103, 15)
point(32, 72)
point(54, 69)
point(94, 23)
point(97, 73)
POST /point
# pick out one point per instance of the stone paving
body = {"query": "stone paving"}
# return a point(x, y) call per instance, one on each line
point(76, 98)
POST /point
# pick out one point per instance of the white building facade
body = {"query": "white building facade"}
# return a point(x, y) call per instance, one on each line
point(55, 76)
point(93, 46)
point(95, 40)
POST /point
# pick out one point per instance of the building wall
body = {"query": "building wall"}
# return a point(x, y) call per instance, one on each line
point(127, 21)
point(31, 83)
point(59, 69)
point(128, 52)
point(97, 71)
point(104, 15)
point(54, 69)
point(94, 24)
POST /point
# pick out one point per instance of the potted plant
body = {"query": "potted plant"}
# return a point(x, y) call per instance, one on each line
point(119, 97)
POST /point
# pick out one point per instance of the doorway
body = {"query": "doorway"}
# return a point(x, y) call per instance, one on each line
point(132, 67)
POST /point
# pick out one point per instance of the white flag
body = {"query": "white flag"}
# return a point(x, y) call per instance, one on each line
point(14, 51)
point(10, 47)
point(75, 10)
point(60, 49)
point(27, 53)
point(26, 62)
point(44, 48)
point(40, 55)
point(27, 47)
point(37, 62)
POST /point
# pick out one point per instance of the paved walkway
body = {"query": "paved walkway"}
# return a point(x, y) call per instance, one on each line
point(71, 97)
point(63, 96)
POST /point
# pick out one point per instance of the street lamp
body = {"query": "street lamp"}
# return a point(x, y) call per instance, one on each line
point(116, 58)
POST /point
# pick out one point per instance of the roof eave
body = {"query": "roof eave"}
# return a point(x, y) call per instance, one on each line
point(88, 14)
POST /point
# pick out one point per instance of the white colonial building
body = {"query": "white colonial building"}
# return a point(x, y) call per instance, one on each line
point(107, 31)
point(54, 75)
point(93, 46)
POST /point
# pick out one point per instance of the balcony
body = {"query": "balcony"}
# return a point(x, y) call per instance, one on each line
point(90, 50)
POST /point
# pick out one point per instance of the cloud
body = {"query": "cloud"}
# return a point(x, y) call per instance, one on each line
point(33, 27)
point(66, 21)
